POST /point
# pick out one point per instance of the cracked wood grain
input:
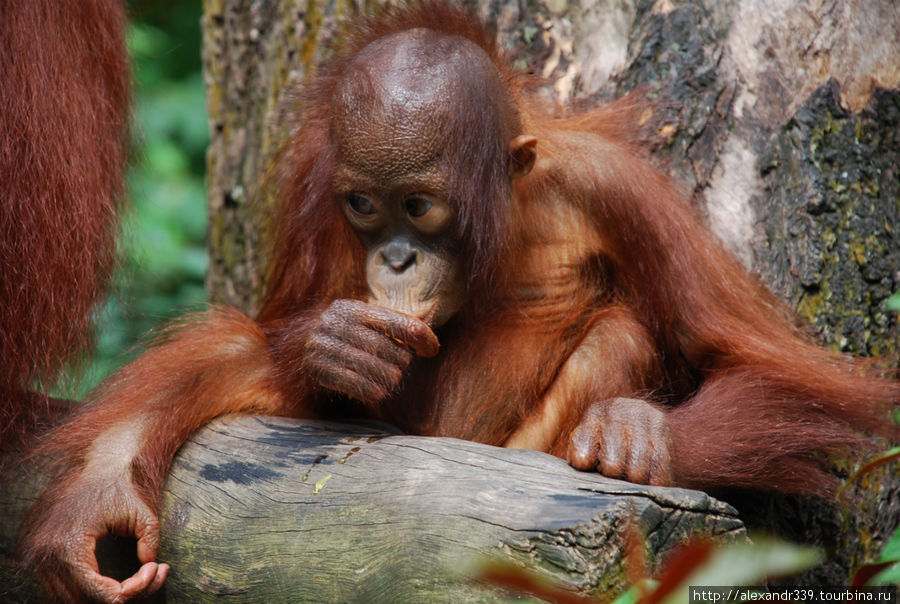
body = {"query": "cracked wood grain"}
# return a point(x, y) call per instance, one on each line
point(314, 511)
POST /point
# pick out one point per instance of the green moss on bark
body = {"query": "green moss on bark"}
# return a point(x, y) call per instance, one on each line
point(833, 210)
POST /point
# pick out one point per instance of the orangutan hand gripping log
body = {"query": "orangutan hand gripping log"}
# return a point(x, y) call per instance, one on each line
point(453, 259)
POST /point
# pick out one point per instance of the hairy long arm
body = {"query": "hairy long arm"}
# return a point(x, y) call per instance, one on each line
point(714, 323)
point(112, 458)
point(590, 415)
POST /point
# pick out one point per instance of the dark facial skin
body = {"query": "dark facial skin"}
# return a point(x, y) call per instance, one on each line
point(411, 264)
point(389, 114)
point(392, 113)
point(390, 120)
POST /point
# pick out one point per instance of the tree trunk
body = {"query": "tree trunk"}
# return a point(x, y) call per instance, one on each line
point(273, 509)
point(783, 119)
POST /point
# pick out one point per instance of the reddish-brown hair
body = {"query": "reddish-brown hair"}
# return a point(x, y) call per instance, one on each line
point(671, 316)
point(735, 364)
point(755, 401)
point(64, 91)
point(308, 222)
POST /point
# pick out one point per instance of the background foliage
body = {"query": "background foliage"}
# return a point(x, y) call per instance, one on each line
point(162, 245)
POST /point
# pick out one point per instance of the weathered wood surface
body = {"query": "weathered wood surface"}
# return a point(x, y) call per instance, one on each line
point(270, 508)
point(262, 509)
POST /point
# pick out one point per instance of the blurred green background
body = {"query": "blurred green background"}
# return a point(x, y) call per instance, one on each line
point(162, 243)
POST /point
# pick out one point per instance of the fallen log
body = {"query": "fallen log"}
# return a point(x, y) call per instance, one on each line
point(274, 509)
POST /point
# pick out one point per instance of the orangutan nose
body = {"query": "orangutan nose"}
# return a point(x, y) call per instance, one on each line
point(399, 254)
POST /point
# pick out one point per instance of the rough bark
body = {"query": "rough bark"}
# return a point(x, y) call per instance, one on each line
point(780, 116)
point(258, 509)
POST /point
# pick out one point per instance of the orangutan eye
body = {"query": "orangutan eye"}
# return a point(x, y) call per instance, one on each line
point(360, 204)
point(417, 207)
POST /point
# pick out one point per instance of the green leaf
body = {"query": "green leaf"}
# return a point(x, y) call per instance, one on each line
point(889, 576)
point(634, 593)
point(892, 549)
point(743, 564)
point(893, 303)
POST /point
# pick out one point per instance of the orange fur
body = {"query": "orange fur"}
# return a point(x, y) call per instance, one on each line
point(114, 452)
point(593, 257)
point(643, 248)
point(224, 366)
point(63, 142)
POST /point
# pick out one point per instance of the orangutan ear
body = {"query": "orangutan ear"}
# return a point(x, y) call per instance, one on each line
point(522, 153)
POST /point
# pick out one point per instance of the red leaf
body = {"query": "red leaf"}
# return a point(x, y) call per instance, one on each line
point(867, 571)
point(678, 568)
point(520, 581)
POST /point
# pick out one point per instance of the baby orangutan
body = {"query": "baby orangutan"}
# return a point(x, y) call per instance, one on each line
point(454, 260)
